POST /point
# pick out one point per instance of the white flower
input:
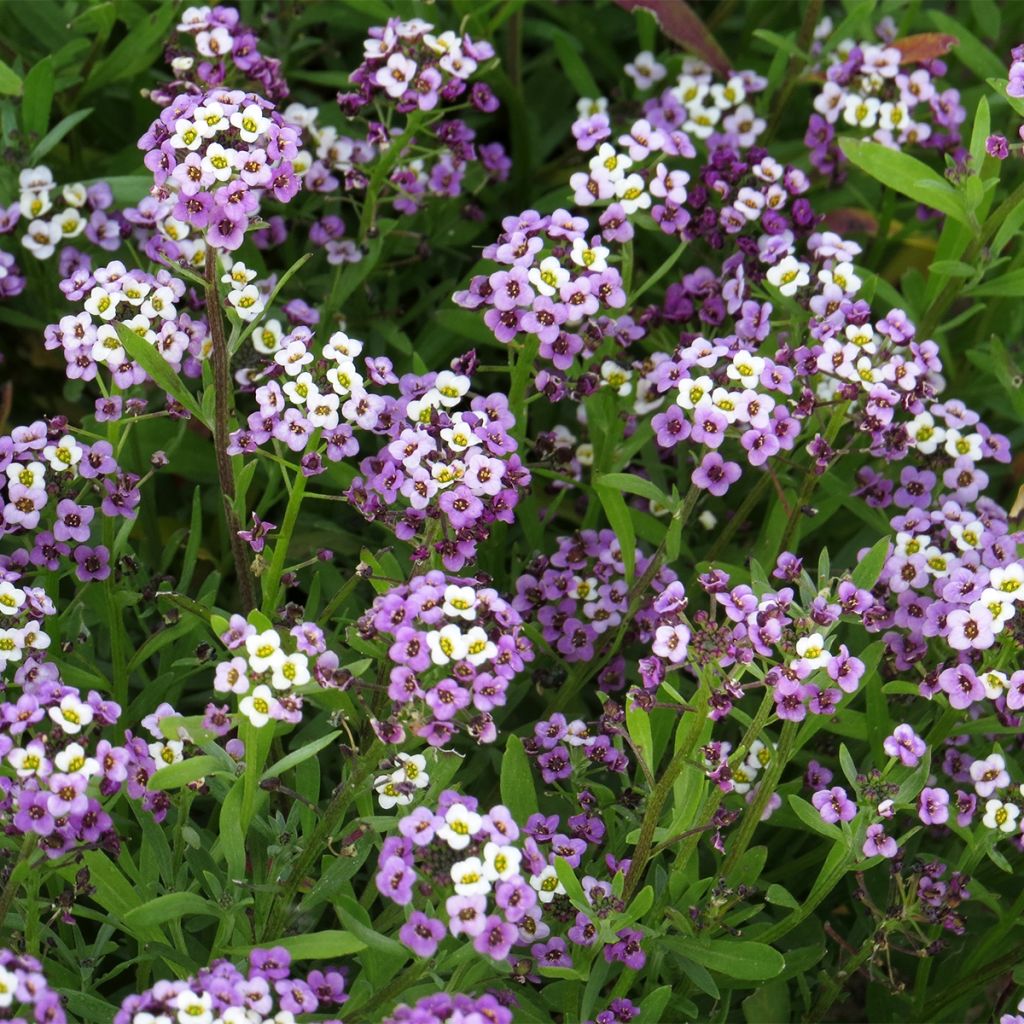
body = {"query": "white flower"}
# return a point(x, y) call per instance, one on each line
point(812, 650)
point(1009, 581)
point(1001, 816)
point(267, 338)
point(616, 377)
point(72, 715)
point(460, 825)
point(102, 303)
point(344, 377)
point(459, 435)
point(293, 358)
point(214, 43)
point(388, 793)
point(645, 70)
point(964, 445)
point(71, 223)
point(693, 392)
point(42, 238)
point(548, 276)
point(459, 602)
point(745, 367)
point(609, 162)
point(758, 757)
point(842, 276)
point(35, 179)
point(12, 598)
point(65, 454)
point(469, 877)
point(924, 434)
point(788, 275)
point(396, 76)
point(631, 194)
point(290, 671)
point(264, 650)
point(547, 885)
point(478, 647)
point(34, 204)
point(259, 706)
point(995, 683)
point(501, 862)
point(194, 1007)
point(451, 387)
point(219, 162)
point(237, 273)
point(989, 774)
point(250, 122)
point(341, 347)
point(412, 769)
point(591, 257)
point(589, 107)
point(167, 753)
point(743, 777)
point(9, 987)
point(861, 111)
point(247, 303)
point(31, 761)
point(446, 644)
point(186, 135)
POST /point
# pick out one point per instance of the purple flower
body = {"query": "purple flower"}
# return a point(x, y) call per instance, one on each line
point(714, 474)
point(905, 744)
point(496, 938)
point(422, 934)
point(878, 844)
point(834, 805)
point(933, 806)
point(92, 563)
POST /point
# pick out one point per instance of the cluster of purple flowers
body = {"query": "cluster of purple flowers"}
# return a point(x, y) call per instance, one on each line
point(213, 157)
point(148, 304)
point(997, 145)
point(270, 989)
point(443, 1008)
point(454, 647)
point(499, 885)
point(25, 994)
point(558, 286)
point(226, 49)
point(579, 597)
point(564, 749)
point(50, 490)
point(59, 771)
point(897, 100)
point(562, 295)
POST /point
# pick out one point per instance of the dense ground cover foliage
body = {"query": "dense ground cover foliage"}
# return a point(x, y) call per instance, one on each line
point(508, 512)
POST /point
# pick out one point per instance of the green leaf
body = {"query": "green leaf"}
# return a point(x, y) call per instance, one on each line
point(311, 749)
point(136, 52)
point(317, 946)
point(638, 725)
point(846, 763)
point(1009, 285)
point(906, 175)
point(970, 50)
point(174, 776)
point(517, 789)
point(865, 574)
point(781, 897)
point(952, 268)
point(635, 485)
point(172, 907)
point(573, 889)
point(57, 132)
point(570, 55)
point(10, 82)
point(745, 961)
point(158, 368)
point(812, 819)
point(37, 98)
point(620, 520)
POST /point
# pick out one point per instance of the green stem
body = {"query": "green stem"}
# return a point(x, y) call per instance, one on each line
point(669, 263)
point(752, 817)
point(833, 986)
point(223, 403)
point(656, 801)
point(975, 982)
point(272, 577)
point(28, 844)
point(329, 821)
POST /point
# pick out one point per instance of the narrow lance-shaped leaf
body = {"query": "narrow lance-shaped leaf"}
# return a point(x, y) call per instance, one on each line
point(161, 372)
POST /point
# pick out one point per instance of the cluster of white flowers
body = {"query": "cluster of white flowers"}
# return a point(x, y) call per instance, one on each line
point(18, 631)
point(744, 775)
point(261, 677)
point(398, 788)
point(56, 214)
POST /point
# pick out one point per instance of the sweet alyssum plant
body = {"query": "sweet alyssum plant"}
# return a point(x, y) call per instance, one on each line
point(484, 551)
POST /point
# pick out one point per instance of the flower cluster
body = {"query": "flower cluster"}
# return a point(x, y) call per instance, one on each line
point(997, 145)
point(213, 46)
point(556, 284)
point(271, 670)
point(499, 885)
point(454, 647)
point(269, 990)
point(25, 994)
point(719, 113)
point(892, 98)
point(445, 473)
point(47, 481)
point(580, 599)
point(443, 1008)
point(53, 215)
point(416, 69)
point(215, 156)
point(58, 769)
point(152, 305)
